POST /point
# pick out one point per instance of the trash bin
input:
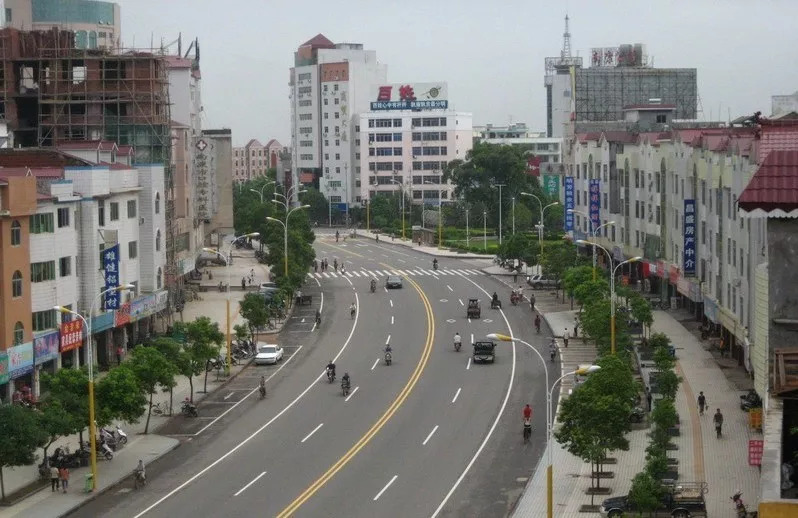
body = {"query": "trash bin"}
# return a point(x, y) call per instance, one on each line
point(89, 483)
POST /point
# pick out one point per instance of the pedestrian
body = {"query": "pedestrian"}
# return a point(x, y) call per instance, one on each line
point(718, 419)
point(722, 347)
point(315, 265)
point(252, 273)
point(63, 475)
point(119, 352)
point(243, 284)
point(648, 398)
point(702, 403)
point(54, 478)
point(251, 280)
point(565, 337)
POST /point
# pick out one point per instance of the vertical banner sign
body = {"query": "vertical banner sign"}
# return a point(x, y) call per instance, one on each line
point(551, 185)
point(569, 203)
point(689, 238)
point(111, 267)
point(595, 202)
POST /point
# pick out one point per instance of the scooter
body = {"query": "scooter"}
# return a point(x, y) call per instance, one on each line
point(388, 357)
point(435, 265)
point(345, 388)
point(330, 375)
point(373, 286)
point(104, 450)
point(514, 298)
point(121, 436)
point(457, 346)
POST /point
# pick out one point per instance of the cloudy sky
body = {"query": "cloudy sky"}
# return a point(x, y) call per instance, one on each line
point(490, 53)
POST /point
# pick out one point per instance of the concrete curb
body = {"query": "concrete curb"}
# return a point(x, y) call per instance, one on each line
point(446, 253)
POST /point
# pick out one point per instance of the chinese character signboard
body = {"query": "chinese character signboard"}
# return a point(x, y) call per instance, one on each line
point(689, 237)
point(411, 96)
point(71, 335)
point(20, 360)
point(551, 185)
point(45, 348)
point(595, 203)
point(569, 203)
point(533, 166)
point(755, 448)
point(111, 267)
point(122, 316)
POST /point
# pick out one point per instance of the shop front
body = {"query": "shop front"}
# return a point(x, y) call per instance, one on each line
point(101, 329)
point(690, 293)
point(45, 358)
point(730, 331)
point(123, 332)
point(142, 311)
point(20, 371)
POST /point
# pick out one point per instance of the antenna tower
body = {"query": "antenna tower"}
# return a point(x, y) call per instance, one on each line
point(566, 41)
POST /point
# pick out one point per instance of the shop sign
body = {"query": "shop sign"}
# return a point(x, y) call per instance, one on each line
point(652, 268)
point(161, 300)
point(569, 203)
point(755, 449)
point(71, 335)
point(710, 309)
point(45, 348)
point(102, 322)
point(688, 259)
point(673, 274)
point(142, 307)
point(3, 367)
point(551, 184)
point(122, 316)
point(20, 360)
point(595, 202)
point(111, 273)
point(410, 96)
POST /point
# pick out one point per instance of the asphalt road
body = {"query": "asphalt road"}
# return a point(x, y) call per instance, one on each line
point(431, 434)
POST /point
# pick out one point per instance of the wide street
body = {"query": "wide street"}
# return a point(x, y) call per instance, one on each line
point(431, 434)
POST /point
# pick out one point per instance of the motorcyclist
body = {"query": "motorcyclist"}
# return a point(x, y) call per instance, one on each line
point(343, 267)
point(388, 348)
point(527, 412)
point(537, 323)
point(141, 473)
point(318, 316)
point(495, 298)
point(435, 264)
point(352, 309)
point(345, 381)
point(457, 339)
point(373, 284)
point(552, 350)
point(331, 368)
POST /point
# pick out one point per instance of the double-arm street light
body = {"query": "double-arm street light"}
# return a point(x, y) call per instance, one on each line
point(587, 369)
point(285, 233)
point(594, 232)
point(402, 189)
point(260, 192)
point(542, 214)
point(440, 211)
point(90, 362)
point(226, 259)
point(612, 285)
point(286, 198)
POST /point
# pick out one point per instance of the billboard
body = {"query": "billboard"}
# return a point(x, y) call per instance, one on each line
point(551, 185)
point(71, 335)
point(595, 203)
point(410, 96)
point(689, 238)
point(569, 203)
point(111, 269)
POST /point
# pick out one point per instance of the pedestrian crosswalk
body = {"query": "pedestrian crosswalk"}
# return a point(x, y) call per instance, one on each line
point(405, 272)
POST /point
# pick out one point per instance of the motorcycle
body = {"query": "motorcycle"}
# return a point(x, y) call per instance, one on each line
point(330, 375)
point(750, 400)
point(739, 506)
point(352, 312)
point(105, 451)
point(373, 286)
point(106, 437)
point(457, 346)
point(189, 409)
point(140, 480)
point(388, 357)
point(435, 265)
point(637, 415)
point(515, 297)
point(345, 387)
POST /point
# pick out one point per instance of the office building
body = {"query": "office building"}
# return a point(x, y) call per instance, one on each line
point(97, 25)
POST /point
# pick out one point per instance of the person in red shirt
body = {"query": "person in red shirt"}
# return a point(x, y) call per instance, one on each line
point(527, 412)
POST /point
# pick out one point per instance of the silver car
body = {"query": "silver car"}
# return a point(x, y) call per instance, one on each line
point(268, 354)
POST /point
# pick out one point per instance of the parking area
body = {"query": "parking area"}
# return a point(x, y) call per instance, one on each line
point(220, 402)
point(303, 318)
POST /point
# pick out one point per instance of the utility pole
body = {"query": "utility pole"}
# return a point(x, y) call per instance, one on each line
point(500, 185)
point(513, 215)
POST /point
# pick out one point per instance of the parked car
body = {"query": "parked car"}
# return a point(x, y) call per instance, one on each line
point(265, 285)
point(393, 281)
point(268, 354)
point(206, 258)
point(539, 281)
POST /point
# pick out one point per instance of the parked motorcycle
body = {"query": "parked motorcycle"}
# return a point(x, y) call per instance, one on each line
point(189, 409)
point(750, 400)
point(637, 415)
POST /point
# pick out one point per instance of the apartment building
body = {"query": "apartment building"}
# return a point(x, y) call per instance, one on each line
point(97, 25)
point(544, 154)
point(254, 159)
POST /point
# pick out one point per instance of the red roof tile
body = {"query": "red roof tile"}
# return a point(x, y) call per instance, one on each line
point(39, 172)
point(85, 144)
point(319, 40)
point(37, 157)
point(774, 185)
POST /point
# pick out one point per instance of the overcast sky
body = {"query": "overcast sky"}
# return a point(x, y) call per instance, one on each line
point(490, 52)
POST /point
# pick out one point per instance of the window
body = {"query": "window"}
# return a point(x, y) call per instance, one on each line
point(326, 115)
point(158, 241)
point(40, 272)
point(305, 103)
point(305, 143)
point(114, 211)
point(43, 320)
point(19, 333)
point(383, 123)
point(337, 142)
point(397, 137)
point(338, 156)
point(158, 278)
point(306, 157)
point(132, 249)
point(371, 123)
point(16, 233)
point(65, 266)
point(337, 101)
point(63, 218)
point(397, 151)
point(131, 209)
point(662, 119)
point(397, 123)
point(41, 223)
point(305, 116)
point(16, 284)
point(326, 156)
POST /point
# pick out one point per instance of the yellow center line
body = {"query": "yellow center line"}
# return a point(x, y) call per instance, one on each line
point(376, 427)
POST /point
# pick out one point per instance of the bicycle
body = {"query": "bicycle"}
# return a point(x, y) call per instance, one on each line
point(527, 431)
point(160, 408)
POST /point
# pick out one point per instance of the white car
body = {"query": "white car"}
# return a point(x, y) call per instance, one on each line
point(268, 354)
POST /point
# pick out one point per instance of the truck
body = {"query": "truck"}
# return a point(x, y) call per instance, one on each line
point(682, 500)
point(484, 351)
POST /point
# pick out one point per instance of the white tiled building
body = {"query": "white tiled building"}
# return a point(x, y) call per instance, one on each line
point(548, 149)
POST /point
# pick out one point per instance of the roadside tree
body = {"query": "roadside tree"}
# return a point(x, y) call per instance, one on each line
point(319, 210)
point(120, 396)
point(69, 388)
point(645, 493)
point(152, 370)
point(55, 422)
point(203, 340)
point(173, 351)
point(20, 436)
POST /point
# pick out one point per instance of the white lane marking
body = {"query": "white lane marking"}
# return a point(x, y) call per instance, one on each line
point(468, 365)
point(273, 374)
point(469, 320)
point(450, 288)
point(326, 275)
point(356, 273)
point(456, 394)
point(386, 289)
point(302, 321)
point(461, 302)
point(308, 436)
point(386, 487)
point(228, 396)
point(349, 281)
point(384, 255)
point(495, 421)
point(388, 340)
point(391, 301)
point(391, 319)
point(430, 436)
point(321, 307)
point(256, 432)
point(250, 483)
point(375, 363)
point(351, 394)
point(401, 260)
point(472, 338)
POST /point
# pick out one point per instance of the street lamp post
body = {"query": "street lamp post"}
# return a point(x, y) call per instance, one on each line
point(466, 211)
point(513, 215)
point(226, 260)
point(593, 232)
point(485, 228)
point(587, 369)
point(402, 190)
point(90, 361)
point(260, 192)
point(440, 212)
point(285, 233)
point(542, 215)
point(500, 185)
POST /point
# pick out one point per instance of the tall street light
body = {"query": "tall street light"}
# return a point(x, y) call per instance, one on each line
point(402, 189)
point(485, 228)
point(285, 233)
point(90, 361)
point(440, 211)
point(542, 215)
point(593, 232)
point(581, 371)
point(226, 260)
point(513, 215)
point(500, 185)
point(260, 192)
point(467, 210)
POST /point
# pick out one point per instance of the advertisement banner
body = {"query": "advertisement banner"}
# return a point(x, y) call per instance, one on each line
point(569, 203)
point(410, 96)
point(102, 322)
point(689, 238)
point(142, 307)
point(161, 300)
point(45, 348)
point(20, 360)
point(551, 185)
point(111, 268)
point(595, 202)
point(71, 335)
point(3, 367)
point(122, 316)
point(533, 166)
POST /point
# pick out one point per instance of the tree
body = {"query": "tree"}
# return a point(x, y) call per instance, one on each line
point(558, 258)
point(56, 422)
point(645, 493)
point(515, 247)
point(319, 209)
point(20, 435)
point(592, 290)
point(151, 369)
point(241, 332)
point(575, 277)
point(253, 309)
point(174, 353)
point(70, 389)
point(203, 340)
point(641, 310)
point(120, 396)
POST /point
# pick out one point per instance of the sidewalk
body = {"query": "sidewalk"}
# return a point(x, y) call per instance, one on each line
point(429, 250)
point(150, 447)
point(722, 463)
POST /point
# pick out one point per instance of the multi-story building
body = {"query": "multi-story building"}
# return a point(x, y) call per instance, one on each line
point(331, 84)
point(97, 25)
point(404, 143)
point(219, 159)
point(254, 159)
point(546, 151)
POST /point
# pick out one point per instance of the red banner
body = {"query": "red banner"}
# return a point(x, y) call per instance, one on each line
point(533, 165)
point(755, 449)
point(122, 316)
point(71, 335)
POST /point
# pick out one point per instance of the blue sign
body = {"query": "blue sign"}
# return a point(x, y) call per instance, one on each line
point(111, 268)
point(341, 207)
point(45, 348)
point(569, 203)
point(409, 105)
point(595, 202)
point(689, 258)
